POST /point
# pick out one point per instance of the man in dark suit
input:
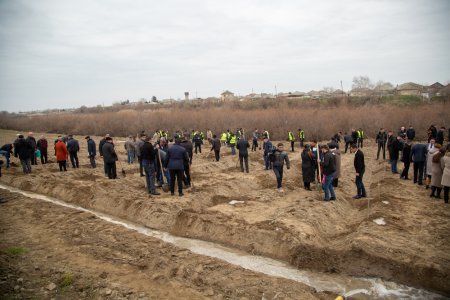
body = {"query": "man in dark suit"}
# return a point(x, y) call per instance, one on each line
point(360, 167)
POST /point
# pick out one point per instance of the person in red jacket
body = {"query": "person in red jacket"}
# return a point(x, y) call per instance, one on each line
point(61, 154)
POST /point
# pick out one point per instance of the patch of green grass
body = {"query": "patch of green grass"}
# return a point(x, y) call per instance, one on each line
point(7, 297)
point(15, 251)
point(66, 279)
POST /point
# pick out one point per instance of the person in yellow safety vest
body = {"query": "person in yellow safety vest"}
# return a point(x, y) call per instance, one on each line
point(202, 135)
point(228, 136)
point(223, 138)
point(291, 139)
point(233, 139)
point(301, 136)
point(360, 137)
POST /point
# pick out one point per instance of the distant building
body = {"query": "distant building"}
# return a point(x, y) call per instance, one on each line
point(361, 92)
point(186, 96)
point(410, 89)
point(434, 89)
point(227, 96)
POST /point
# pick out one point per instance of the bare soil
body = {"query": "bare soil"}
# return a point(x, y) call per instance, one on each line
point(296, 226)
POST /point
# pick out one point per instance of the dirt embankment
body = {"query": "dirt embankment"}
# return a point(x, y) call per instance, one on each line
point(296, 226)
point(48, 251)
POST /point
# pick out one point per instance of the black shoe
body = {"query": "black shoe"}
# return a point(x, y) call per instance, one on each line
point(155, 193)
point(159, 186)
point(180, 194)
point(2, 200)
point(364, 196)
point(332, 198)
point(142, 175)
point(357, 197)
point(172, 194)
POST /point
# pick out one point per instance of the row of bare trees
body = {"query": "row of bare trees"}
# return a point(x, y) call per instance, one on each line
point(318, 122)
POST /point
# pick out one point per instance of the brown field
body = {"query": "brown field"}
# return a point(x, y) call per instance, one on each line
point(319, 122)
point(296, 226)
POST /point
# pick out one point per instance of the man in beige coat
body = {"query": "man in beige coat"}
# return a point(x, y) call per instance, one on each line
point(445, 182)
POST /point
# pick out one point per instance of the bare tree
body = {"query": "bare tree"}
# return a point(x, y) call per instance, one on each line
point(362, 82)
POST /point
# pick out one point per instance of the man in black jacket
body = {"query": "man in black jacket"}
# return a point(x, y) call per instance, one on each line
point(418, 157)
point(148, 155)
point(100, 151)
point(360, 168)
point(109, 158)
point(23, 149)
point(187, 145)
point(381, 140)
point(348, 139)
point(73, 147)
point(440, 136)
point(42, 145)
point(394, 149)
point(243, 145)
point(32, 141)
point(215, 145)
point(329, 170)
point(91, 151)
point(410, 133)
point(406, 159)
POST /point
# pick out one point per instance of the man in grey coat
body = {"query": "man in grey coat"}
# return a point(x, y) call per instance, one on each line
point(139, 143)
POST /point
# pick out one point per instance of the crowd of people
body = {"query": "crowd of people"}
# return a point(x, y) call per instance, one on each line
point(162, 164)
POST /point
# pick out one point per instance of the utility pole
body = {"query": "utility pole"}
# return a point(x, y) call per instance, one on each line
point(276, 93)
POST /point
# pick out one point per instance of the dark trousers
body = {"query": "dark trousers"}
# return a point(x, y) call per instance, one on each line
point(418, 170)
point(381, 146)
point(361, 190)
point(335, 182)
point(405, 170)
point(74, 159)
point(199, 147)
point(92, 161)
point(178, 174)
point(347, 145)
point(446, 190)
point(243, 158)
point(301, 142)
point(217, 154)
point(292, 146)
point(187, 175)
point(44, 156)
point(360, 143)
point(111, 170)
point(141, 167)
point(33, 157)
point(278, 170)
point(254, 145)
point(62, 165)
point(307, 185)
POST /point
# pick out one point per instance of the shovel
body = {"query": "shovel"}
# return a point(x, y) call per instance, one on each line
point(165, 186)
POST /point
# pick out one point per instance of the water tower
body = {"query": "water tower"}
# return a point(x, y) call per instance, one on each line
point(186, 95)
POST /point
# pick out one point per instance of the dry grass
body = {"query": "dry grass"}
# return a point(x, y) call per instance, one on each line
point(318, 121)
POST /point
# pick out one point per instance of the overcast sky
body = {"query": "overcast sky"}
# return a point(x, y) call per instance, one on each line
point(59, 54)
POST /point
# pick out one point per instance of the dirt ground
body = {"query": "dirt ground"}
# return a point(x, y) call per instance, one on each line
point(295, 226)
